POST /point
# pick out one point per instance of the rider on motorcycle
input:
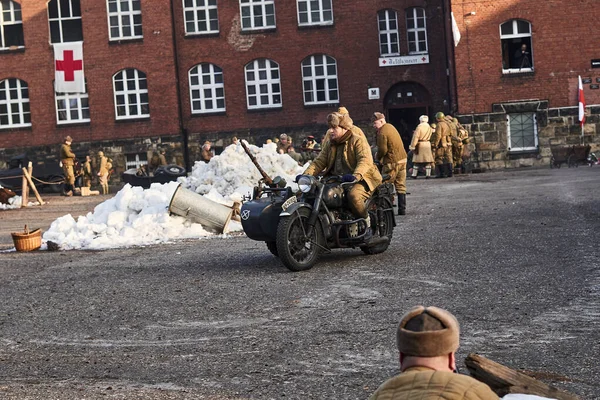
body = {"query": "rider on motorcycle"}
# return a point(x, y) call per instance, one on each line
point(348, 154)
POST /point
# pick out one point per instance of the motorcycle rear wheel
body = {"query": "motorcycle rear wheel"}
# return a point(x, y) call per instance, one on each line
point(387, 230)
point(296, 251)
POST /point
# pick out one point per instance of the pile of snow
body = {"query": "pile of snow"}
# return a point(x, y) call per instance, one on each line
point(136, 217)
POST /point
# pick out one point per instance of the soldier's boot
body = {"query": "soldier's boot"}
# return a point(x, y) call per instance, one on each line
point(449, 170)
point(415, 172)
point(401, 203)
point(427, 172)
point(439, 171)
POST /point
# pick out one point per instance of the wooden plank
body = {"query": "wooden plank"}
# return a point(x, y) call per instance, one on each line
point(37, 195)
point(504, 380)
point(24, 192)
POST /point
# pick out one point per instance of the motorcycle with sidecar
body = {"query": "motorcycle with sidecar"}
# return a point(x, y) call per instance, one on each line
point(299, 227)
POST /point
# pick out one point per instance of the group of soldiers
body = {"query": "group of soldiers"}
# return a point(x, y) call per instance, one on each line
point(73, 170)
point(442, 144)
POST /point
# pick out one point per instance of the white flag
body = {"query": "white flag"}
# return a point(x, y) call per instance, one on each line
point(68, 64)
point(455, 31)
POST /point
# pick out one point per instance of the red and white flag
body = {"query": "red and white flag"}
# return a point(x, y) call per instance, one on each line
point(581, 104)
point(68, 62)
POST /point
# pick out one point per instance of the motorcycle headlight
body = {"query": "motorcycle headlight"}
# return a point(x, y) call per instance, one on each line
point(305, 183)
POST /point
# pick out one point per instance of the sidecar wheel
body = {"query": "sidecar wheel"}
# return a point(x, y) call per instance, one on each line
point(297, 252)
point(387, 228)
point(272, 246)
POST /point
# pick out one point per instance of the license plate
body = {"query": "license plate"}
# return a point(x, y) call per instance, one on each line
point(289, 202)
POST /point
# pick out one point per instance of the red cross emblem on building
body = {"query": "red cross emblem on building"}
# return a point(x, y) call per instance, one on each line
point(68, 65)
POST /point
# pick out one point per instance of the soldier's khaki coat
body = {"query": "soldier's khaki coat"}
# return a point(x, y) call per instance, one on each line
point(357, 156)
point(420, 383)
point(390, 149)
point(441, 143)
point(422, 136)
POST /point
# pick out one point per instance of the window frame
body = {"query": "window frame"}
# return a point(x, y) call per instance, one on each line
point(250, 4)
point(310, 11)
point(506, 37)
point(137, 92)
point(201, 87)
point(416, 30)
point(16, 18)
point(60, 19)
point(20, 101)
point(119, 14)
point(269, 81)
point(138, 161)
point(195, 9)
point(79, 107)
point(388, 32)
point(535, 133)
point(314, 78)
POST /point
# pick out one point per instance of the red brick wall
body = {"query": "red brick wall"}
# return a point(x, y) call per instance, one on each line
point(565, 38)
point(35, 65)
point(352, 40)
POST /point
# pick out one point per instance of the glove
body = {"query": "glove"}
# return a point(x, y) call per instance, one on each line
point(348, 178)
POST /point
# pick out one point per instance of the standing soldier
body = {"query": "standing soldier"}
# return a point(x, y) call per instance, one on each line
point(162, 160)
point(463, 137)
point(421, 147)
point(284, 144)
point(103, 172)
point(391, 154)
point(67, 158)
point(87, 172)
point(456, 143)
point(441, 144)
point(206, 153)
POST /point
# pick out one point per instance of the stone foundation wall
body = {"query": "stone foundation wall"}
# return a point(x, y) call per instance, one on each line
point(555, 127)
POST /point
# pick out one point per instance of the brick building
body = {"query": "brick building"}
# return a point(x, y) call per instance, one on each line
point(172, 74)
point(519, 104)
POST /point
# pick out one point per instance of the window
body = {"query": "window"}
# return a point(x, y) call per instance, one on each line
point(257, 14)
point(263, 87)
point(416, 30)
point(72, 108)
point(388, 33)
point(515, 36)
point(522, 132)
point(131, 94)
point(14, 104)
point(124, 19)
point(207, 92)
point(135, 160)
point(315, 12)
point(200, 16)
point(319, 80)
point(64, 17)
point(11, 25)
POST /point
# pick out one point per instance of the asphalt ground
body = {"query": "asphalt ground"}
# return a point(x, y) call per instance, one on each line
point(514, 255)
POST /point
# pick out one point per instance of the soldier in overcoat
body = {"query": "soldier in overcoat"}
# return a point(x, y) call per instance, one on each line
point(67, 158)
point(441, 144)
point(421, 148)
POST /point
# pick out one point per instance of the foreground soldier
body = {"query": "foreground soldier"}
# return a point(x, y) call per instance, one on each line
point(421, 147)
point(441, 144)
point(427, 339)
point(392, 156)
point(347, 153)
point(67, 157)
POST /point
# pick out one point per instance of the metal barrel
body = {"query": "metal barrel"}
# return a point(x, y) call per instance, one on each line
point(211, 215)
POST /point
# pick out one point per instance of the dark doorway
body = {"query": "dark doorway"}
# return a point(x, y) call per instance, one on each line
point(405, 120)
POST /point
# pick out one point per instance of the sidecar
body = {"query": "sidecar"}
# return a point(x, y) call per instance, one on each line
point(260, 216)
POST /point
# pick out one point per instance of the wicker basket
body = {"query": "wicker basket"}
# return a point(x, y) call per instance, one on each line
point(27, 241)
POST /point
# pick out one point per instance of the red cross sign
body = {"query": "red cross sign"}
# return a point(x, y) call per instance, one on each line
point(68, 65)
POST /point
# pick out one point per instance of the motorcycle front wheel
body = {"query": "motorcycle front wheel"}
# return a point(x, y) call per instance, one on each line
point(296, 250)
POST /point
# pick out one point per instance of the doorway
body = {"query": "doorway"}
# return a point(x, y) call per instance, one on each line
point(405, 102)
point(406, 120)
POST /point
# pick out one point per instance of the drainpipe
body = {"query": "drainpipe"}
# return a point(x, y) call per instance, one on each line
point(450, 71)
point(183, 131)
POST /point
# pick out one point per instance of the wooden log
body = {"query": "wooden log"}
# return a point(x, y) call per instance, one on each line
point(28, 177)
point(504, 380)
point(24, 192)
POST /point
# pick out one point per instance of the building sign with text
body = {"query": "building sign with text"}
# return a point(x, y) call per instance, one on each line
point(404, 60)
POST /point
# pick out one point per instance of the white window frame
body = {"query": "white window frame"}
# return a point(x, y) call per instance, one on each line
point(247, 13)
point(535, 132)
point(321, 11)
point(311, 82)
point(516, 35)
point(140, 91)
point(130, 15)
point(60, 19)
point(412, 14)
point(206, 81)
point(73, 102)
point(138, 160)
point(388, 33)
point(260, 87)
point(195, 9)
point(21, 101)
point(14, 18)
